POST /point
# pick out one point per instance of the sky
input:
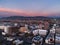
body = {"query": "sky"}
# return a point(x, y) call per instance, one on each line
point(29, 7)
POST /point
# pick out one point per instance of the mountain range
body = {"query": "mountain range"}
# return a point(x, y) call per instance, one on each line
point(28, 17)
point(23, 17)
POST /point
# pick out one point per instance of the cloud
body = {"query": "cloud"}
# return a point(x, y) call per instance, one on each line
point(23, 12)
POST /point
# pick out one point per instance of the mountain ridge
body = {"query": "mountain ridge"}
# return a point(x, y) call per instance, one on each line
point(28, 17)
point(22, 17)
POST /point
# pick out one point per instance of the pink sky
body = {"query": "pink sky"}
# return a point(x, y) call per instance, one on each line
point(16, 12)
point(29, 7)
point(23, 12)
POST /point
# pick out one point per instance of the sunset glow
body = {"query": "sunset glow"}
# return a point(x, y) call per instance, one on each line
point(29, 8)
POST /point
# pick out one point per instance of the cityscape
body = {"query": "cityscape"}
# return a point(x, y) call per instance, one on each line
point(32, 31)
point(29, 22)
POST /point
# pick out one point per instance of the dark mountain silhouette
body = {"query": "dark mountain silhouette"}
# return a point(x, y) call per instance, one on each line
point(24, 18)
point(29, 17)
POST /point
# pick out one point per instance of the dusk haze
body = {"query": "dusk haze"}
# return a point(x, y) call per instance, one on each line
point(29, 7)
